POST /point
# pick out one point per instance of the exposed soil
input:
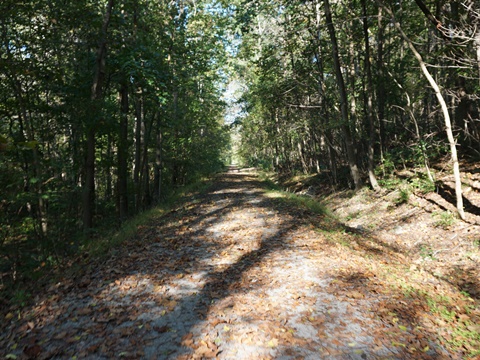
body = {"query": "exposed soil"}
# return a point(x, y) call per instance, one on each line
point(424, 228)
point(241, 273)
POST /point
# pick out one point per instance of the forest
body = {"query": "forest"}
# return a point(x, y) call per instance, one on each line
point(359, 87)
point(111, 109)
point(108, 108)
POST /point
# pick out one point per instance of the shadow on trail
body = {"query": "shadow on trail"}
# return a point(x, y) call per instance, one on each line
point(143, 303)
point(221, 283)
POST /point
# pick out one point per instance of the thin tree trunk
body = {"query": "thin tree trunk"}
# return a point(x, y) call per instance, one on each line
point(122, 178)
point(417, 129)
point(108, 175)
point(138, 149)
point(27, 127)
point(446, 115)
point(369, 107)
point(343, 100)
point(158, 164)
point(144, 170)
point(380, 82)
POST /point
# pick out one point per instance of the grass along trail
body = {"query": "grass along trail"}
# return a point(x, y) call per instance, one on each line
point(239, 272)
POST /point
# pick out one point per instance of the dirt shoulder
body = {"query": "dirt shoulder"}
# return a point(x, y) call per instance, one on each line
point(423, 227)
point(241, 272)
point(420, 227)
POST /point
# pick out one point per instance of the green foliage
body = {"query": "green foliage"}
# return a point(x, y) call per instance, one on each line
point(422, 184)
point(403, 197)
point(170, 61)
point(465, 334)
point(294, 200)
point(21, 297)
point(387, 167)
point(444, 219)
point(426, 252)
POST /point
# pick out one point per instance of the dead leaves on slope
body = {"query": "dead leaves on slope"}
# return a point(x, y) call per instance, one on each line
point(203, 349)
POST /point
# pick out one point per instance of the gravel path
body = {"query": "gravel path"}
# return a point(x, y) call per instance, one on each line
point(233, 274)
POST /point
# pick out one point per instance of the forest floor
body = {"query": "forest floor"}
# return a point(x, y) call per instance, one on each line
point(243, 272)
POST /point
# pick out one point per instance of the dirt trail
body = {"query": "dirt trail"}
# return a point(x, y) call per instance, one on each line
point(233, 274)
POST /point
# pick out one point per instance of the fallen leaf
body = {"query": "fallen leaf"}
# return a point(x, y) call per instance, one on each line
point(355, 295)
point(205, 352)
point(161, 329)
point(61, 335)
point(187, 340)
point(74, 339)
point(273, 343)
point(84, 311)
point(33, 351)
point(159, 288)
point(215, 322)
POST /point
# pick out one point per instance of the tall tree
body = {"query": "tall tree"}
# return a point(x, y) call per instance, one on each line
point(96, 97)
point(349, 144)
point(369, 97)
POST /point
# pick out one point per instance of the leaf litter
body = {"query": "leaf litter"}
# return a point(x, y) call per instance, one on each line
point(235, 274)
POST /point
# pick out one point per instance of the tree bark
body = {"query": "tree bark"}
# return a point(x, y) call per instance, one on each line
point(380, 82)
point(122, 177)
point(369, 107)
point(428, 14)
point(157, 191)
point(139, 132)
point(354, 171)
point(96, 96)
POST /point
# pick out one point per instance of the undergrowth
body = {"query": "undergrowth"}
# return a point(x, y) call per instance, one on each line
point(300, 201)
point(448, 315)
point(453, 314)
point(93, 245)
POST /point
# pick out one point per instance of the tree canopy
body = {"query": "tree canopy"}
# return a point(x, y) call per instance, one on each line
point(107, 107)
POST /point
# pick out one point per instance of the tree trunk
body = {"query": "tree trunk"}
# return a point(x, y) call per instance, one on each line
point(27, 127)
point(108, 174)
point(96, 96)
point(122, 177)
point(145, 167)
point(380, 83)
point(369, 107)
point(477, 46)
point(446, 115)
point(354, 171)
point(89, 184)
point(322, 90)
point(417, 128)
point(138, 149)
point(157, 191)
